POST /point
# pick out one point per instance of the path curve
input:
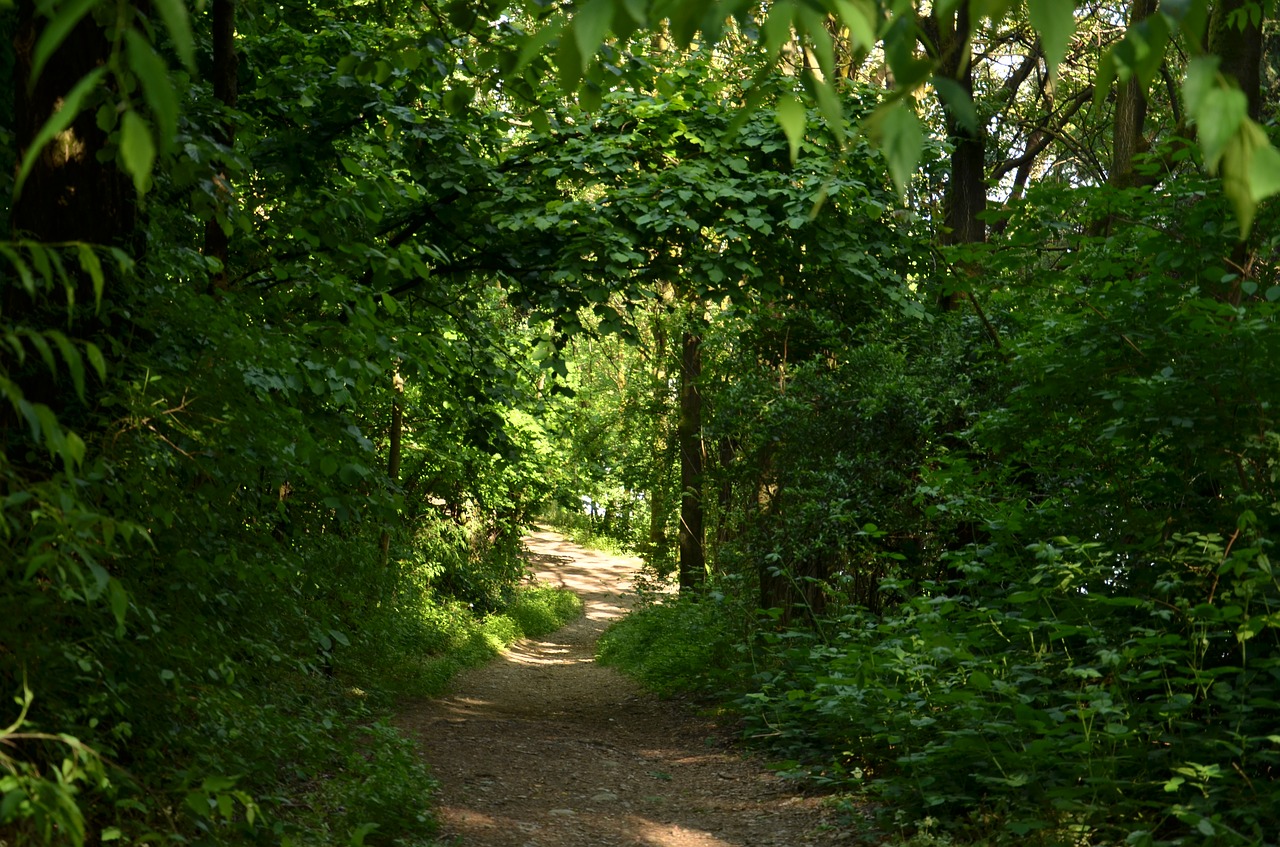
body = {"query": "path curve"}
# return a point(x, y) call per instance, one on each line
point(545, 748)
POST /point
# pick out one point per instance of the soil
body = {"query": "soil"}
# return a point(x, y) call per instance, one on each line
point(544, 747)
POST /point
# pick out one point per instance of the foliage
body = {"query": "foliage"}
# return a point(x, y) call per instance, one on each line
point(1012, 562)
point(673, 644)
point(1078, 641)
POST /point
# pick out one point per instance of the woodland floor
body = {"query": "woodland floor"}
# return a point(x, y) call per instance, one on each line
point(545, 748)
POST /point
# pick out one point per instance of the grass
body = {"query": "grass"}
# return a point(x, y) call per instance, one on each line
point(440, 638)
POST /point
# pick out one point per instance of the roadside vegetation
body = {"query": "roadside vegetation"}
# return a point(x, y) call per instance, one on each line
point(928, 349)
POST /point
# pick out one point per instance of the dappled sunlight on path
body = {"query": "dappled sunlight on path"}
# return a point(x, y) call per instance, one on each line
point(545, 748)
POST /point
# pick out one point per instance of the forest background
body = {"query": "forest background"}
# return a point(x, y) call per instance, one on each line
point(930, 348)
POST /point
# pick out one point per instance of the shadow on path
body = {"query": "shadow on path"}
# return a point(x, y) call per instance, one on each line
point(545, 748)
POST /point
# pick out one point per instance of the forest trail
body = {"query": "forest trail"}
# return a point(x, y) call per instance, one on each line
point(545, 748)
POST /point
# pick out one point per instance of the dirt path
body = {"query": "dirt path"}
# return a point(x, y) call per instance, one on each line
point(545, 748)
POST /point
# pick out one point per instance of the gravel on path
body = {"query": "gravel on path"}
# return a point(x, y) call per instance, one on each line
point(543, 747)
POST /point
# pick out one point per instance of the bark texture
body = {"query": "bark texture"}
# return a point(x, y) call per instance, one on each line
point(692, 535)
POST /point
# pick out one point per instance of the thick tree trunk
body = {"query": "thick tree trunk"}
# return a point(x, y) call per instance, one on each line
point(1127, 139)
point(70, 194)
point(692, 536)
point(225, 68)
point(1239, 49)
point(1241, 53)
point(658, 489)
point(966, 192)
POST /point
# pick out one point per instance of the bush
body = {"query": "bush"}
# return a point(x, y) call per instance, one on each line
point(679, 644)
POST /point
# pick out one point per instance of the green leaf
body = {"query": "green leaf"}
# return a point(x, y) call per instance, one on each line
point(791, 117)
point(859, 17)
point(1055, 20)
point(174, 15)
point(957, 101)
point(46, 352)
point(589, 97)
point(1250, 171)
point(23, 269)
point(156, 86)
point(1201, 79)
point(536, 44)
point(569, 63)
point(75, 363)
point(137, 150)
point(1221, 113)
point(119, 601)
point(216, 784)
point(777, 27)
point(1141, 52)
point(1190, 16)
point(96, 360)
point(90, 264)
point(54, 33)
point(901, 141)
point(814, 25)
point(683, 18)
point(590, 25)
point(994, 10)
point(540, 122)
point(1264, 173)
point(57, 123)
point(829, 106)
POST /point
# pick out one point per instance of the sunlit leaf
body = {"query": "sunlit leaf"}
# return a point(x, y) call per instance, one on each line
point(1221, 112)
point(1264, 173)
point(590, 25)
point(791, 117)
point(1055, 20)
point(859, 17)
point(777, 27)
point(901, 141)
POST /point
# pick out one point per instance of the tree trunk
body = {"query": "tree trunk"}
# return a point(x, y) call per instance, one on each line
point(966, 193)
point(1241, 53)
point(1127, 139)
point(1239, 49)
point(658, 487)
point(70, 194)
point(692, 542)
point(393, 453)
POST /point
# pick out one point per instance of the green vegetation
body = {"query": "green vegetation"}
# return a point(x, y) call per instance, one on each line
point(928, 347)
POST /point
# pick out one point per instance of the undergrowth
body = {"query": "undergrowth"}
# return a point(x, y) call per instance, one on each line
point(586, 531)
point(439, 636)
point(678, 645)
